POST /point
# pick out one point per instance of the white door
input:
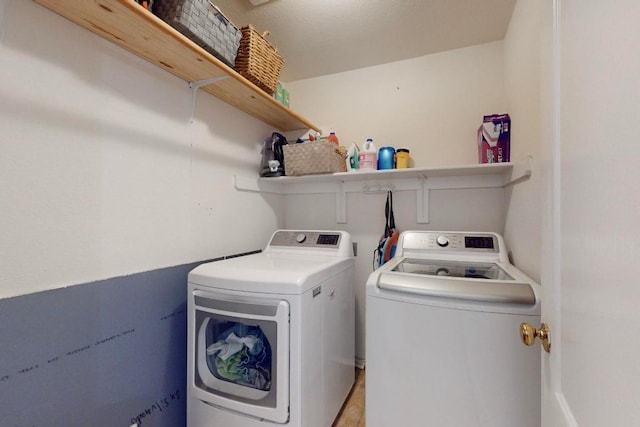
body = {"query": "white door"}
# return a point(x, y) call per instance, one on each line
point(591, 225)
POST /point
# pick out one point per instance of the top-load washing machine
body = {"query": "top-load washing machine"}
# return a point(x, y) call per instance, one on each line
point(271, 335)
point(443, 343)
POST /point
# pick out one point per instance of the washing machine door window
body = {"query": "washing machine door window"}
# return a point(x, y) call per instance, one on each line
point(242, 354)
point(474, 270)
point(468, 281)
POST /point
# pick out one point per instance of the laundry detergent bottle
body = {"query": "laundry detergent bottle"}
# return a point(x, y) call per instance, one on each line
point(368, 156)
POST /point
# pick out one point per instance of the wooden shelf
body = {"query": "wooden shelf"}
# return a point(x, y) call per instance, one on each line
point(137, 30)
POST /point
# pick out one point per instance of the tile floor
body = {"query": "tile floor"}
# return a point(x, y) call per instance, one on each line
point(352, 412)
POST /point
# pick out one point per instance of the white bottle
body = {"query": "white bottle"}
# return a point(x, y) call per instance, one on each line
point(368, 156)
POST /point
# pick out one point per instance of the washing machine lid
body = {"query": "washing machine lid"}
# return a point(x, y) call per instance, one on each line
point(272, 273)
point(444, 268)
point(471, 281)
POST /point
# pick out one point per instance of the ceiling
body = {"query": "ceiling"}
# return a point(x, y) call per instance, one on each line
point(319, 37)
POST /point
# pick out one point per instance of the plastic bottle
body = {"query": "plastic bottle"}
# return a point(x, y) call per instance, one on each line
point(386, 158)
point(368, 157)
point(402, 158)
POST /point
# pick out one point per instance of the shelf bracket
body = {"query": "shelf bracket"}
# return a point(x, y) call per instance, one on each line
point(422, 202)
point(341, 204)
point(194, 86)
point(520, 171)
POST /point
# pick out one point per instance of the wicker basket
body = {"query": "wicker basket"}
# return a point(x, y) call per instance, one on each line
point(204, 24)
point(258, 61)
point(313, 158)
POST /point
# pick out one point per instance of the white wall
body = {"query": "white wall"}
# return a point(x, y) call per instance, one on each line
point(103, 175)
point(522, 59)
point(101, 172)
point(432, 105)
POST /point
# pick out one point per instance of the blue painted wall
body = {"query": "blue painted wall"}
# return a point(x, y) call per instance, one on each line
point(107, 353)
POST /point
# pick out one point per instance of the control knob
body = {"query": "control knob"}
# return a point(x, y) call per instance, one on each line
point(300, 238)
point(442, 272)
point(442, 241)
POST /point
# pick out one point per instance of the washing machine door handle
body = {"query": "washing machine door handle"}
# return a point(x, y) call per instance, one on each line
point(493, 291)
point(247, 309)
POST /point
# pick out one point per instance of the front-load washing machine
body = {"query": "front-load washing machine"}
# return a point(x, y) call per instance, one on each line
point(271, 336)
point(443, 344)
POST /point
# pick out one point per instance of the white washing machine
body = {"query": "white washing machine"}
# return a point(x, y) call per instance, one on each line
point(271, 336)
point(443, 344)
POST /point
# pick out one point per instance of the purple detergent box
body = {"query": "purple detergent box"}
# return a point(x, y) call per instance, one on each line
point(494, 139)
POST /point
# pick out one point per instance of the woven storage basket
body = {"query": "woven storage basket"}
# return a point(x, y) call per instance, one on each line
point(258, 61)
point(204, 24)
point(313, 158)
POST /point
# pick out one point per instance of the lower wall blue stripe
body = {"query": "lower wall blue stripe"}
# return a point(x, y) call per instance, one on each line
point(107, 353)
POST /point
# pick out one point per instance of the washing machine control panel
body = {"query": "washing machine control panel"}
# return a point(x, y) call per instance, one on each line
point(451, 241)
point(307, 239)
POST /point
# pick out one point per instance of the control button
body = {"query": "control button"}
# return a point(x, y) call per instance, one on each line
point(442, 271)
point(442, 241)
point(301, 238)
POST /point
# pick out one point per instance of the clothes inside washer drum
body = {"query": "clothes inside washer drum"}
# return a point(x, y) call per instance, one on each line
point(241, 355)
